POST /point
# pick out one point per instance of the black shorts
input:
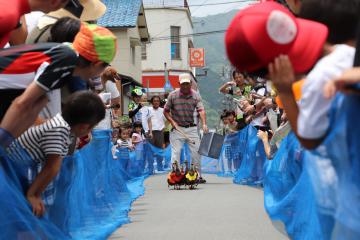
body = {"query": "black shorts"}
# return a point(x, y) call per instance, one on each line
point(167, 137)
point(157, 139)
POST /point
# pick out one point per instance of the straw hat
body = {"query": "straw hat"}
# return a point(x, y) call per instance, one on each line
point(93, 10)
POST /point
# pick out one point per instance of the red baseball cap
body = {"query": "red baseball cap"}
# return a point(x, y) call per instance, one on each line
point(260, 33)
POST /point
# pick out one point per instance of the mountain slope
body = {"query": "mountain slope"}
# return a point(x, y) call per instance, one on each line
point(215, 59)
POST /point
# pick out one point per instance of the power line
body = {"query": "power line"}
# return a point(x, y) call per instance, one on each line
point(198, 7)
point(167, 29)
point(187, 35)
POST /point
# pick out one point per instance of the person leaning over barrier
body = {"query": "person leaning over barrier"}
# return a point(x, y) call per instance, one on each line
point(11, 11)
point(47, 144)
point(310, 118)
point(179, 111)
point(44, 67)
point(274, 31)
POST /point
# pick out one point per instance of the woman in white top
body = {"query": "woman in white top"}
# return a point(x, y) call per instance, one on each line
point(110, 96)
point(109, 79)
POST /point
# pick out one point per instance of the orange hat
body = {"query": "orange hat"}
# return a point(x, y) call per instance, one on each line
point(95, 43)
point(296, 88)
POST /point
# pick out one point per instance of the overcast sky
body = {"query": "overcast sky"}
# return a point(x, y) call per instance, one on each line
point(202, 11)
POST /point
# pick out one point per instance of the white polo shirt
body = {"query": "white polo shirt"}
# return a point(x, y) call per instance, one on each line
point(157, 118)
point(313, 119)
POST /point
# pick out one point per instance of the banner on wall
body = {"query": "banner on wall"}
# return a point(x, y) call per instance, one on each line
point(197, 57)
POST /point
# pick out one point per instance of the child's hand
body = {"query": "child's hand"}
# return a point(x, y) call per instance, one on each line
point(37, 205)
point(342, 83)
point(329, 90)
point(263, 135)
point(282, 74)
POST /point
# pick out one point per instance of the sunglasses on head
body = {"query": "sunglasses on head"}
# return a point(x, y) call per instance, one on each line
point(74, 7)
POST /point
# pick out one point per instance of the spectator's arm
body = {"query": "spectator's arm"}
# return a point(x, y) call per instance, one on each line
point(167, 113)
point(47, 174)
point(18, 36)
point(263, 135)
point(150, 127)
point(344, 83)
point(132, 113)
point(170, 119)
point(282, 75)
point(24, 110)
point(224, 88)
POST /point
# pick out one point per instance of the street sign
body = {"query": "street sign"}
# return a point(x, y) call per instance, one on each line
point(197, 57)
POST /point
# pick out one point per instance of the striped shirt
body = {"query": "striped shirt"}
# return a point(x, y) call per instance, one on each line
point(49, 138)
point(124, 143)
point(182, 107)
point(50, 65)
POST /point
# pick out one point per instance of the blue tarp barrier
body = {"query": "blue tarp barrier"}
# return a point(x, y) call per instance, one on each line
point(251, 156)
point(242, 157)
point(288, 196)
point(89, 199)
point(334, 168)
point(313, 194)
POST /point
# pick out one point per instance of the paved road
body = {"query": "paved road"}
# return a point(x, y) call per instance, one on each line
point(218, 210)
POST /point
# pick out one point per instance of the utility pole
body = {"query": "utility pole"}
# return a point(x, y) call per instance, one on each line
point(167, 87)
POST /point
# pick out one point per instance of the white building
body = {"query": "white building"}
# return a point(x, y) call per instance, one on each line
point(170, 28)
point(126, 19)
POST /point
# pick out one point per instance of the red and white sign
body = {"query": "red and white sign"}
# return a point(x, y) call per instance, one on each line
point(197, 57)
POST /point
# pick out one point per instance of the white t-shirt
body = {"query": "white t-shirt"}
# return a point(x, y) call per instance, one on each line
point(110, 87)
point(157, 118)
point(313, 119)
point(32, 20)
point(145, 115)
point(53, 106)
point(110, 92)
point(259, 120)
point(106, 122)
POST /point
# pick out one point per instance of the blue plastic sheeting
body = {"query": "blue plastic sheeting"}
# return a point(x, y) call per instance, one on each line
point(242, 157)
point(288, 197)
point(148, 159)
point(335, 169)
point(230, 157)
point(89, 199)
point(252, 155)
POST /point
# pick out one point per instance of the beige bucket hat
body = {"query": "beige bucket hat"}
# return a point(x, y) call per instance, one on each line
point(93, 10)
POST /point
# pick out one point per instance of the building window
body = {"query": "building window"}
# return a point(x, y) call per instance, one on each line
point(175, 42)
point(132, 54)
point(143, 51)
